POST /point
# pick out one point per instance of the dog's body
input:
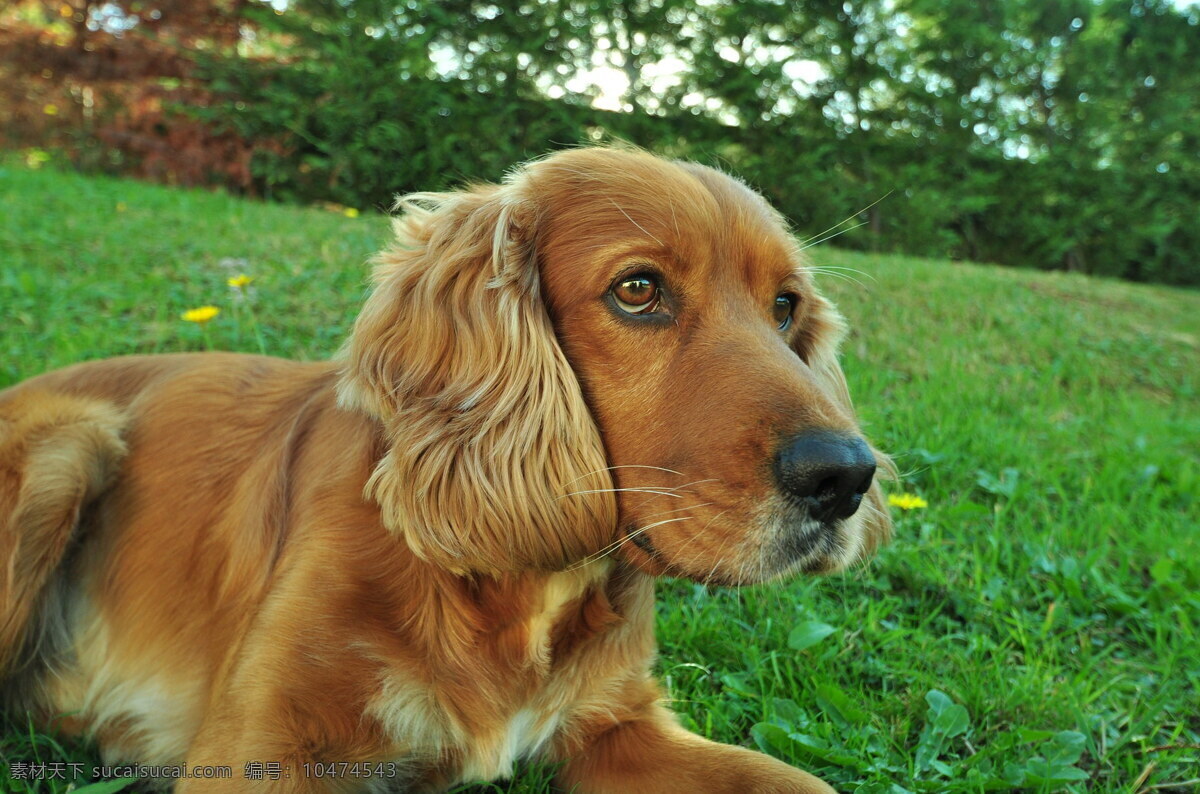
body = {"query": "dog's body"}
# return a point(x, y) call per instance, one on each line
point(436, 556)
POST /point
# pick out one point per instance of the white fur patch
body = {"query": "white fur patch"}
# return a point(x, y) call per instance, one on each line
point(157, 716)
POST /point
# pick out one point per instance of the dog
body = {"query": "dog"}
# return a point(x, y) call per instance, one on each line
point(434, 556)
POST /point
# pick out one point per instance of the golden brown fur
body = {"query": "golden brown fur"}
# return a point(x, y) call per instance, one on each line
point(438, 550)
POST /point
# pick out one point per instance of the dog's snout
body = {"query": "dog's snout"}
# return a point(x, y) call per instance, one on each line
point(825, 472)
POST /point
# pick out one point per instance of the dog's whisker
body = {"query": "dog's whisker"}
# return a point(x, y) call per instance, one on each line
point(686, 484)
point(697, 535)
point(707, 524)
point(716, 561)
point(665, 490)
point(717, 564)
point(624, 466)
point(833, 269)
point(621, 490)
point(610, 548)
point(847, 219)
point(809, 244)
point(635, 223)
point(843, 277)
point(642, 530)
point(643, 502)
point(677, 488)
point(679, 510)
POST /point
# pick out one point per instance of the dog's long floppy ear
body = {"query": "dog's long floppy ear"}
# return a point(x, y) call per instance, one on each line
point(494, 463)
point(818, 346)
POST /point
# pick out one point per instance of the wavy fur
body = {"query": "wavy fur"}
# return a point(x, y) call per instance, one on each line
point(485, 423)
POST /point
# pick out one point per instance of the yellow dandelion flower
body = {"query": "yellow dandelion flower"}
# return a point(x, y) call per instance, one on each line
point(200, 315)
point(240, 281)
point(350, 212)
point(34, 158)
point(906, 501)
point(50, 110)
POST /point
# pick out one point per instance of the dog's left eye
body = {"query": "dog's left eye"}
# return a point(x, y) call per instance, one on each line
point(784, 305)
point(637, 294)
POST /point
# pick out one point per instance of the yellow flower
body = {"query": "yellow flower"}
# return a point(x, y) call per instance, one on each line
point(237, 282)
point(201, 315)
point(50, 110)
point(350, 212)
point(34, 158)
point(906, 501)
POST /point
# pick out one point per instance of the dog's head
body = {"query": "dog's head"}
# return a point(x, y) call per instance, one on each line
point(611, 351)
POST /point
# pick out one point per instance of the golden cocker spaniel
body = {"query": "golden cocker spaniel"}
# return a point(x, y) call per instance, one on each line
point(435, 555)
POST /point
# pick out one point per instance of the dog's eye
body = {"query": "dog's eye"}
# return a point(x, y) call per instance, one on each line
point(636, 294)
point(784, 305)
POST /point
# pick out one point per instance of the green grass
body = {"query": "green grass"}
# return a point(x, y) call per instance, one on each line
point(1036, 627)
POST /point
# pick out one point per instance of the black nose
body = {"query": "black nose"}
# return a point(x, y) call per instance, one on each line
point(825, 472)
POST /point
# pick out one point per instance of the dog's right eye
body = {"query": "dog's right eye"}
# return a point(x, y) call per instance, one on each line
point(637, 294)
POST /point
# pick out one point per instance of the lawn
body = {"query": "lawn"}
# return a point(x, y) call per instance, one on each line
point(1034, 627)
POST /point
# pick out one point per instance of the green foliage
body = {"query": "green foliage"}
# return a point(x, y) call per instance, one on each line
point(1058, 136)
point(1049, 592)
point(808, 634)
point(1042, 760)
point(361, 114)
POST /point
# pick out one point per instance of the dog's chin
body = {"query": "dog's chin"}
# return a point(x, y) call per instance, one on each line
point(786, 542)
point(797, 543)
